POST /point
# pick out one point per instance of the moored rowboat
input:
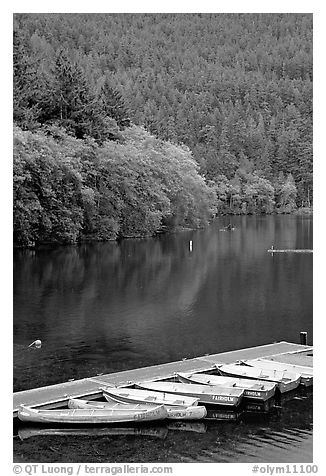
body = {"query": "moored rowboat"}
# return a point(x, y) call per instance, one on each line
point(90, 416)
point(306, 373)
point(253, 389)
point(285, 381)
point(230, 397)
point(135, 395)
point(113, 406)
point(175, 413)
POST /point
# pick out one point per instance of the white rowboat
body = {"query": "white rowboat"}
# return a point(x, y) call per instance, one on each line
point(253, 389)
point(174, 413)
point(286, 381)
point(230, 397)
point(90, 416)
point(305, 372)
point(132, 395)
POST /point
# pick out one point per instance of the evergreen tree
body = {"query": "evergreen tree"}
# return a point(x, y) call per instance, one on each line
point(25, 104)
point(73, 104)
point(226, 159)
point(113, 105)
point(232, 88)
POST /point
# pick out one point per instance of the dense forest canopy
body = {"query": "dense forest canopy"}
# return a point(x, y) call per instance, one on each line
point(140, 121)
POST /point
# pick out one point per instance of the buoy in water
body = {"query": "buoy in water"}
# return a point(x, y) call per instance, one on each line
point(37, 344)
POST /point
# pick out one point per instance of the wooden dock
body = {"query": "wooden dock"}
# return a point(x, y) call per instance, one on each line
point(57, 395)
point(289, 251)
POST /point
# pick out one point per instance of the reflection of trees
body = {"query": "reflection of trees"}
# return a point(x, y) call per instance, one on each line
point(118, 282)
point(258, 298)
point(142, 302)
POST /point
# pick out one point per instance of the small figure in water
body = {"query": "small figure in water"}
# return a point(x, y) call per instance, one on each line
point(229, 227)
point(37, 344)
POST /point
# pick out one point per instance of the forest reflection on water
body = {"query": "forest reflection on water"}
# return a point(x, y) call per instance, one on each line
point(105, 307)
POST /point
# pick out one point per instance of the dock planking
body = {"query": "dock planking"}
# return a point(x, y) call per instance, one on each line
point(290, 251)
point(57, 395)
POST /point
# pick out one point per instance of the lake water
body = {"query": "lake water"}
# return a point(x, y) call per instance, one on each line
point(105, 307)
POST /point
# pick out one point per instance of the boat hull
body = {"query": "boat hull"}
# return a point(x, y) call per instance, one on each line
point(306, 373)
point(92, 416)
point(189, 413)
point(306, 381)
point(218, 415)
point(174, 413)
point(253, 390)
point(285, 384)
point(126, 395)
point(206, 395)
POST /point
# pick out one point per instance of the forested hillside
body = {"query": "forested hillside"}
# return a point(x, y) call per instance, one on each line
point(129, 122)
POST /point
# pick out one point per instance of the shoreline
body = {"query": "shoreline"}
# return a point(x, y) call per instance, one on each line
point(303, 211)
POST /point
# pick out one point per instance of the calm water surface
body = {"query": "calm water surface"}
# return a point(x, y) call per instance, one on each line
point(109, 307)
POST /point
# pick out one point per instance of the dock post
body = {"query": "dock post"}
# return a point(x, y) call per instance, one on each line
point(190, 245)
point(303, 338)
